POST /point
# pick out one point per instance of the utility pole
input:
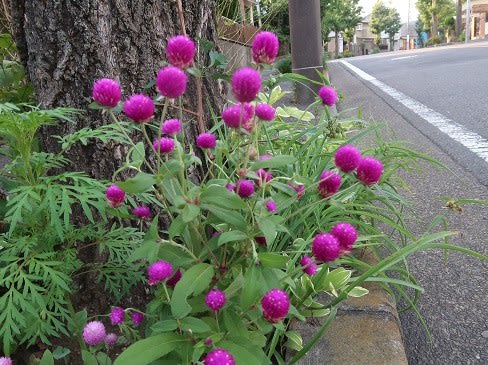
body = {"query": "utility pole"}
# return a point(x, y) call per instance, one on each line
point(306, 45)
point(408, 26)
point(468, 21)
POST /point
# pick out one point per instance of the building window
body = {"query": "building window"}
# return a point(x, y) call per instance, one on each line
point(359, 26)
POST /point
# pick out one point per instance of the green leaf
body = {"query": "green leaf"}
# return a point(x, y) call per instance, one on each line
point(193, 282)
point(334, 280)
point(47, 358)
point(194, 71)
point(220, 196)
point(358, 292)
point(164, 326)
point(251, 288)
point(103, 359)
point(294, 340)
point(232, 236)
point(60, 352)
point(190, 212)
point(138, 184)
point(147, 251)
point(268, 227)
point(269, 259)
point(177, 227)
point(146, 351)
point(227, 216)
point(274, 162)
point(88, 358)
point(294, 112)
point(245, 355)
point(194, 325)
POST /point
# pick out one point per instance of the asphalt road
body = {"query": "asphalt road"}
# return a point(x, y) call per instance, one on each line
point(452, 82)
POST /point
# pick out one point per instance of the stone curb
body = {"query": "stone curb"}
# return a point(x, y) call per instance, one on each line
point(366, 331)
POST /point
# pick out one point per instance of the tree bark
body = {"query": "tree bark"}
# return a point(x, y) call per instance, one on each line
point(459, 19)
point(68, 44)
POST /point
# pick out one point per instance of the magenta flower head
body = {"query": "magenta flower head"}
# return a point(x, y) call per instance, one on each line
point(346, 234)
point(347, 158)
point(139, 108)
point(328, 95)
point(171, 82)
point(117, 316)
point(115, 196)
point(142, 212)
point(245, 84)
point(180, 51)
point(329, 183)
point(171, 127)
point(215, 299)
point(275, 304)
point(94, 333)
point(136, 318)
point(265, 112)
point(260, 240)
point(172, 281)
point(325, 247)
point(219, 356)
point(5, 360)
point(309, 267)
point(107, 92)
point(299, 188)
point(111, 339)
point(271, 206)
point(159, 271)
point(264, 176)
point(265, 47)
point(369, 170)
point(230, 187)
point(236, 116)
point(245, 188)
point(206, 140)
point(164, 145)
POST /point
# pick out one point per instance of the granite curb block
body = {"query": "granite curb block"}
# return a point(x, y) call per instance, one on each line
point(366, 331)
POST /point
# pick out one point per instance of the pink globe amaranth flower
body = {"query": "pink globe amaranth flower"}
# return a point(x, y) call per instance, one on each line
point(347, 158)
point(245, 84)
point(271, 206)
point(369, 170)
point(115, 196)
point(346, 234)
point(139, 108)
point(264, 176)
point(5, 360)
point(136, 318)
point(245, 188)
point(164, 145)
point(117, 316)
point(325, 247)
point(171, 127)
point(328, 95)
point(309, 267)
point(240, 115)
point(111, 339)
point(260, 240)
point(264, 157)
point(142, 212)
point(265, 112)
point(94, 333)
point(180, 51)
point(171, 82)
point(230, 187)
point(159, 271)
point(208, 342)
point(329, 184)
point(172, 281)
point(219, 356)
point(215, 299)
point(107, 92)
point(206, 140)
point(265, 47)
point(275, 304)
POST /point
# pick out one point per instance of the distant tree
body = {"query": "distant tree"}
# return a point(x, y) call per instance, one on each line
point(339, 16)
point(385, 19)
point(435, 14)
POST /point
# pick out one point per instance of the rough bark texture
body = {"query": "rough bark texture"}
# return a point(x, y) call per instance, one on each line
point(67, 44)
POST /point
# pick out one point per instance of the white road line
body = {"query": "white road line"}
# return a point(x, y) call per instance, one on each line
point(403, 58)
point(473, 141)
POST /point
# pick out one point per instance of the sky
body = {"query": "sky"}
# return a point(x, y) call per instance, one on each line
point(400, 5)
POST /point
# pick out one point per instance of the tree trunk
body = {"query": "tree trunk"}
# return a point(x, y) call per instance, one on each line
point(435, 19)
point(459, 19)
point(67, 45)
point(336, 39)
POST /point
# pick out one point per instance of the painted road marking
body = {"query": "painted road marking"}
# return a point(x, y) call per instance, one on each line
point(473, 141)
point(403, 58)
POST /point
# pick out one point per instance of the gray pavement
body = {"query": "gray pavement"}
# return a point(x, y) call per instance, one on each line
point(454, 302)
